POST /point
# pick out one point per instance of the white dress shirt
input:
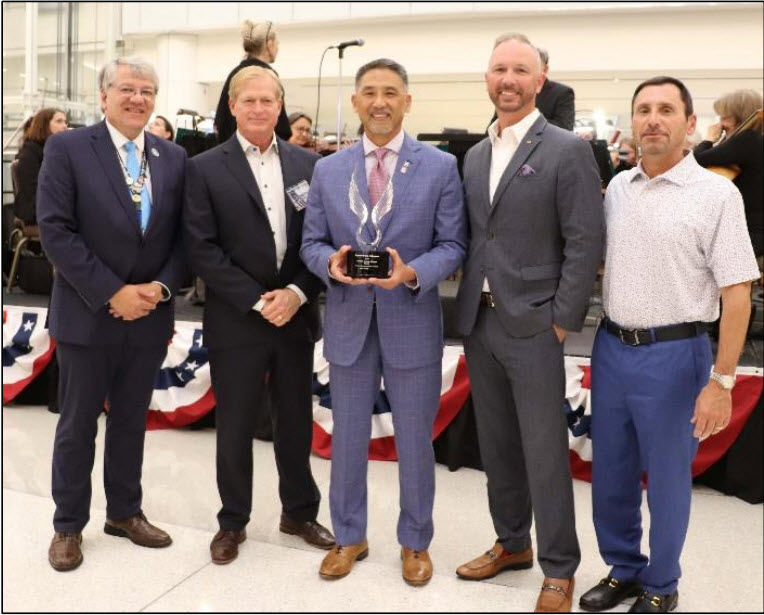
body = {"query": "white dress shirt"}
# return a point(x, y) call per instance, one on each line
point(266, 167)
point(503, 147)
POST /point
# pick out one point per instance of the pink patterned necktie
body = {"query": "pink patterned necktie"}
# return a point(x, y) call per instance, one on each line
point(378, 176)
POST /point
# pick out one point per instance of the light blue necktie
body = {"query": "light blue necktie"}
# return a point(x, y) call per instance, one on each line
point(134, 170)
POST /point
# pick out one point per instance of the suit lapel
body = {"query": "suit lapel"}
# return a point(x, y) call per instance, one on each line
point(237, 164)
point(107, 156)
point(157, 170)
point(484, 169)
point(524, 149)
point(405, 169)
point(290, 176)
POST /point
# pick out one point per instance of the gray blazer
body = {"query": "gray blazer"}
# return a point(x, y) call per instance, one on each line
point(539, 242)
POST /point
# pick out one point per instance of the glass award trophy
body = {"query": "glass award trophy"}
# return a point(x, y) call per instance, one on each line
point(369, 261)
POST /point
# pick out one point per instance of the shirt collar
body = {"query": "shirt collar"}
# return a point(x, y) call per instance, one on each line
point(119, 139)
point(518, 130)
point(395, 144)
point(678, 174)
point(245, 145)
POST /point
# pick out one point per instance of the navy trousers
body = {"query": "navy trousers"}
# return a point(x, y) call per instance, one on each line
point(643, 398)
point(124, 376)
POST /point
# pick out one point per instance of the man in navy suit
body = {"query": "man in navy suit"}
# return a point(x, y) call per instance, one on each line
point(109, 205)
point(243, 224)
point(388, 327)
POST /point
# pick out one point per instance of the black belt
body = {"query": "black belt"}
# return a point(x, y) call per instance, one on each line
point(642, 337)
point(486, 299)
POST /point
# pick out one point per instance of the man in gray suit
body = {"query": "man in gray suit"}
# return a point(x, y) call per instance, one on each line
point(535, 210)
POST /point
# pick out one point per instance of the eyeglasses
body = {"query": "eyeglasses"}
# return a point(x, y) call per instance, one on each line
point(127, 92)
point(267, 31)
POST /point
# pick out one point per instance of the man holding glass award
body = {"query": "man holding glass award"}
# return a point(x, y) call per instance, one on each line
point(385, 222)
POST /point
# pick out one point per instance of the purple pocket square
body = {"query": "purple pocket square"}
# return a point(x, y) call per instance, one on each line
point(526, 171)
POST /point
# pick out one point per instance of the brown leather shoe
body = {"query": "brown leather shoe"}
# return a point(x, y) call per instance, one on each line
point(224, 547)
point(417, 567)
point(311, 532)
point(65, 552)
point(340, 560)
point(493, 562)
point(138, 530)
point(556, 596)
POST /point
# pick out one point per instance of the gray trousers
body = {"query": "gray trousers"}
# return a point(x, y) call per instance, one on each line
point(518, 389)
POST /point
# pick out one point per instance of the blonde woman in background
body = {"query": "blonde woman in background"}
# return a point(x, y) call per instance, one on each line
point(261, 46)
point(729, 144)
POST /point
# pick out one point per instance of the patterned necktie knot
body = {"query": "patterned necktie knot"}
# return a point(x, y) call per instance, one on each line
point(380, 153)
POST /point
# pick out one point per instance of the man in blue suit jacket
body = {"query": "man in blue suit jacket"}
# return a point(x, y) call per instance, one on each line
point(109, 205)
point(384, 327)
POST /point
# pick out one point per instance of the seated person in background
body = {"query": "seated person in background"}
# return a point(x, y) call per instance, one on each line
point(725, 147)
point(44, 124)
point(161, 127)
point(601, 155)
point(626, 158)
point(301, 126)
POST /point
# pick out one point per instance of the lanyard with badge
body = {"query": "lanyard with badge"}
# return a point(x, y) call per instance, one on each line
point(135, 186)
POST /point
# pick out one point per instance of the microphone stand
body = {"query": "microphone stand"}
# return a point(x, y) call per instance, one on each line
point(339, 99)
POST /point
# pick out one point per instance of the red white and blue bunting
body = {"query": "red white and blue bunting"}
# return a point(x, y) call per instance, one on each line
point(183, 391)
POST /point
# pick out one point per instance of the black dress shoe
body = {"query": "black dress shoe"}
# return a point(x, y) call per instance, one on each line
point(609, 593)
point(655, 603)
point(311, 532)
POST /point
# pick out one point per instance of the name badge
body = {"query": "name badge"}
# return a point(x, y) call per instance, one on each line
point(298, 194)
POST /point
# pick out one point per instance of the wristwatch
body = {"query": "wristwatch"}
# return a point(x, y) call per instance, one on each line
point(726, 382)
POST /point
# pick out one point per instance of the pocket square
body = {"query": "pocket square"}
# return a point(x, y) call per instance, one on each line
point(526, 171)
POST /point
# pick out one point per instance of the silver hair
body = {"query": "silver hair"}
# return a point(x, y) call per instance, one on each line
point(521, 38)
point(138, 67)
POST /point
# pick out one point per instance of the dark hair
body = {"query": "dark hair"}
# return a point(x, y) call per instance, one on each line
point(293, 117)
point(684, 93)
point(39, 128)
point(167, 126)
point(382, 63)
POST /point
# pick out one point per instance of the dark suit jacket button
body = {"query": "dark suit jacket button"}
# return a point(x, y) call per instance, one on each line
point(491, 236)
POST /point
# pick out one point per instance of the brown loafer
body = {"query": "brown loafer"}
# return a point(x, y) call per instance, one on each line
point(311, 532)
point(493, 562)
point(340, 560)
point(417, 567)
point(65, 552)
point(224, 547)
point(556, 596)
point(139, 531)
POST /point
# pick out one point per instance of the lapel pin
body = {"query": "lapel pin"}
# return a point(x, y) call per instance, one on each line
point(405, 167)
point(528, 142)
point(154, 152)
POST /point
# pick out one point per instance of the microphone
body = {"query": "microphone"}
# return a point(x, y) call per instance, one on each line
point(356, 42)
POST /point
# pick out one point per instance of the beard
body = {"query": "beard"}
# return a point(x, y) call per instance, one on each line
point(521, 100)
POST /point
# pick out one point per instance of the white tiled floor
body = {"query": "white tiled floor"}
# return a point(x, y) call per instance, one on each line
point(722, 561)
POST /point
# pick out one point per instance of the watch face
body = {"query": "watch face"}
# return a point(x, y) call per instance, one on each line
point(726, 381)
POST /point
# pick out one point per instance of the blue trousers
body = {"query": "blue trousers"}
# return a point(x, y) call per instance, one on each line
point(643, 398)
point(414, 396)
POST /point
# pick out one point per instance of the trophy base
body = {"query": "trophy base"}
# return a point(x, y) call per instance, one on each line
point(368, 264)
